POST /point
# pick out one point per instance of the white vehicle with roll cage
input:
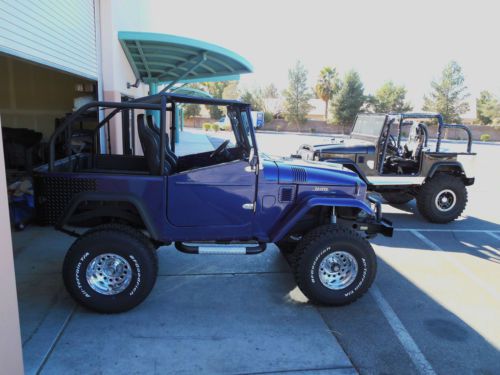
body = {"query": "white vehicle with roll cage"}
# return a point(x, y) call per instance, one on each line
point(403, 169)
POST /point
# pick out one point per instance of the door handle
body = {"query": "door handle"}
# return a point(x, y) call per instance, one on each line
point(248, 206)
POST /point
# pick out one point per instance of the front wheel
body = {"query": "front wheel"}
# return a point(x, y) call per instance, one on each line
point(334, 266)
point(110, 269)
point(442, 198)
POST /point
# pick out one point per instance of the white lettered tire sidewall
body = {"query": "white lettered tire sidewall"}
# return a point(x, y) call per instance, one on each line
point(140, 257)
point(307, 268)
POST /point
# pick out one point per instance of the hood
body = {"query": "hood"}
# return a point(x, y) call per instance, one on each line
point(305, 172)
point(346, 146)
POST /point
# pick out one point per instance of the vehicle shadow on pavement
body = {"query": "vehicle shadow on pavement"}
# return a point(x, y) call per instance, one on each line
point(450, 239)
point(446, 322)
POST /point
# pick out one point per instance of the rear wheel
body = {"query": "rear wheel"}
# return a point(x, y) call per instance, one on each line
point(334, 265)
point(397, 197)
point(442, 198)
point(110, 269)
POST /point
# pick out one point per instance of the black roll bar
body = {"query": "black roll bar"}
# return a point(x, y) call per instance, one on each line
point(96, 104)
point(455, 126)
point(163, 123)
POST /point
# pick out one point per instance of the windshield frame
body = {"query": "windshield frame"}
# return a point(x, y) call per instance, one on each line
point(375, 135)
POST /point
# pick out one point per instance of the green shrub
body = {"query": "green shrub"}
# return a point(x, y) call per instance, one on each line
point(268, 117)
point(485, 137)
point(206, 126)
point(215, 127)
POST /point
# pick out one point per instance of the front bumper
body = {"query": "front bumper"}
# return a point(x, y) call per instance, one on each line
point(375, 224)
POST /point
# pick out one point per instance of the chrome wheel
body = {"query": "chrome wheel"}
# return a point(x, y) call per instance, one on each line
point(445, 200)
point(338, 270)
point(109, 274)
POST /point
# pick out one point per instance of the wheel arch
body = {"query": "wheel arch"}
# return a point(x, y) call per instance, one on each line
point(110, 212)
point(284, 226)
point(451, 167)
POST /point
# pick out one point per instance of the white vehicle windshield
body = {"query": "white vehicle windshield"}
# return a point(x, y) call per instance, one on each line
point(369, 125)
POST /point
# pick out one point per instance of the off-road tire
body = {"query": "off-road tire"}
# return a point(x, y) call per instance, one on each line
point(397, 197)
point(426, 199)
point(321, 243)
point(120, 240)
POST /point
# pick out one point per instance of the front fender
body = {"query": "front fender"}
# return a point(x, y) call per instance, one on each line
point(284, 225)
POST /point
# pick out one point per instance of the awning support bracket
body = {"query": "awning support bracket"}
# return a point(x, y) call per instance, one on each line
point(200, 59)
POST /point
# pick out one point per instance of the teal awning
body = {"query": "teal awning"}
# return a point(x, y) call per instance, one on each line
point(189, 91)
point(169, 59)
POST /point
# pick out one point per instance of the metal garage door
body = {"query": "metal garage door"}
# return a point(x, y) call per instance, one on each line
point(60, 34)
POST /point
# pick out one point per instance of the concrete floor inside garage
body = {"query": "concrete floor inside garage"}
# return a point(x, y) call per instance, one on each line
point(434, 306)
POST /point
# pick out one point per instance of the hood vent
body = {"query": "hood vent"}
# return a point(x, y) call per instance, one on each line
point(299, 174)
point(286, 194)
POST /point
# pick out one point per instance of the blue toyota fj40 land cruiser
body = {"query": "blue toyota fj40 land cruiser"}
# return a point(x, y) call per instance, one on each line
point(227, 201)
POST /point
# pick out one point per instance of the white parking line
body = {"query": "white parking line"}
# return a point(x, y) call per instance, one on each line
point(417, 357)
point(457, 264)
point(492, 234)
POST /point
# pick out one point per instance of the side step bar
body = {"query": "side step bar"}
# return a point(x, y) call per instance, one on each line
point(211, 248)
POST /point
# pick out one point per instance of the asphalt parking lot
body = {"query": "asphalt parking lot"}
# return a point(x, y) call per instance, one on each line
point(433, 308)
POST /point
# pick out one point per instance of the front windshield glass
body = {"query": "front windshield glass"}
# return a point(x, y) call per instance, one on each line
point(369, 125)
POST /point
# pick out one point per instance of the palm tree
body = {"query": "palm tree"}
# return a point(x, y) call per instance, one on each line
point(327, 86)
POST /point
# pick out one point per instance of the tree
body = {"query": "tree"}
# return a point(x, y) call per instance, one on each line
point(231, 91)
point(216, 89)
point(327, 86)
point(390, 98)
point(487, 108)
point(254, 98)
point(448, 95)
point(348, 101)
point(192, 110)
point(297, 95)
point(270, 91)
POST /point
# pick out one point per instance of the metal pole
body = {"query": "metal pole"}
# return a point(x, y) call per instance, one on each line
point(153, 89)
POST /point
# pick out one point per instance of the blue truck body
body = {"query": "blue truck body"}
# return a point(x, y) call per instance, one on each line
point(227, 201)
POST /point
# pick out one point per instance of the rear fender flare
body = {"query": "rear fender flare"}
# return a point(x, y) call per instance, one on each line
point(108, 197)
point(445, 164)
point(287, 223)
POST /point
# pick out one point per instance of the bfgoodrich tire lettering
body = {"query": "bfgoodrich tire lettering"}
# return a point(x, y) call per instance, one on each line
point(137, 256)
point(327, 241)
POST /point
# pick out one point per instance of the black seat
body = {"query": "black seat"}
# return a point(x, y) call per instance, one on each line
point(169, 154)
point(151, 147)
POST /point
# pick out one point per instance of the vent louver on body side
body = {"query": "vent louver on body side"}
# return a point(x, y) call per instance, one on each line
point(299, 174)
point(286, 194)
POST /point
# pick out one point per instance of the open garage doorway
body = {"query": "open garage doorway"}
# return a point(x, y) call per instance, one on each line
point(34, 100)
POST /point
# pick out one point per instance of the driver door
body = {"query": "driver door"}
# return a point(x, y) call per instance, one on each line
point(219, 198)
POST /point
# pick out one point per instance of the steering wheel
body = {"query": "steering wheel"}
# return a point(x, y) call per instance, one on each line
point(391, 145)
point(219, 149)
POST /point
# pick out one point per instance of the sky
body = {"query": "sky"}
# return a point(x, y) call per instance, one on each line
point(408, 42)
